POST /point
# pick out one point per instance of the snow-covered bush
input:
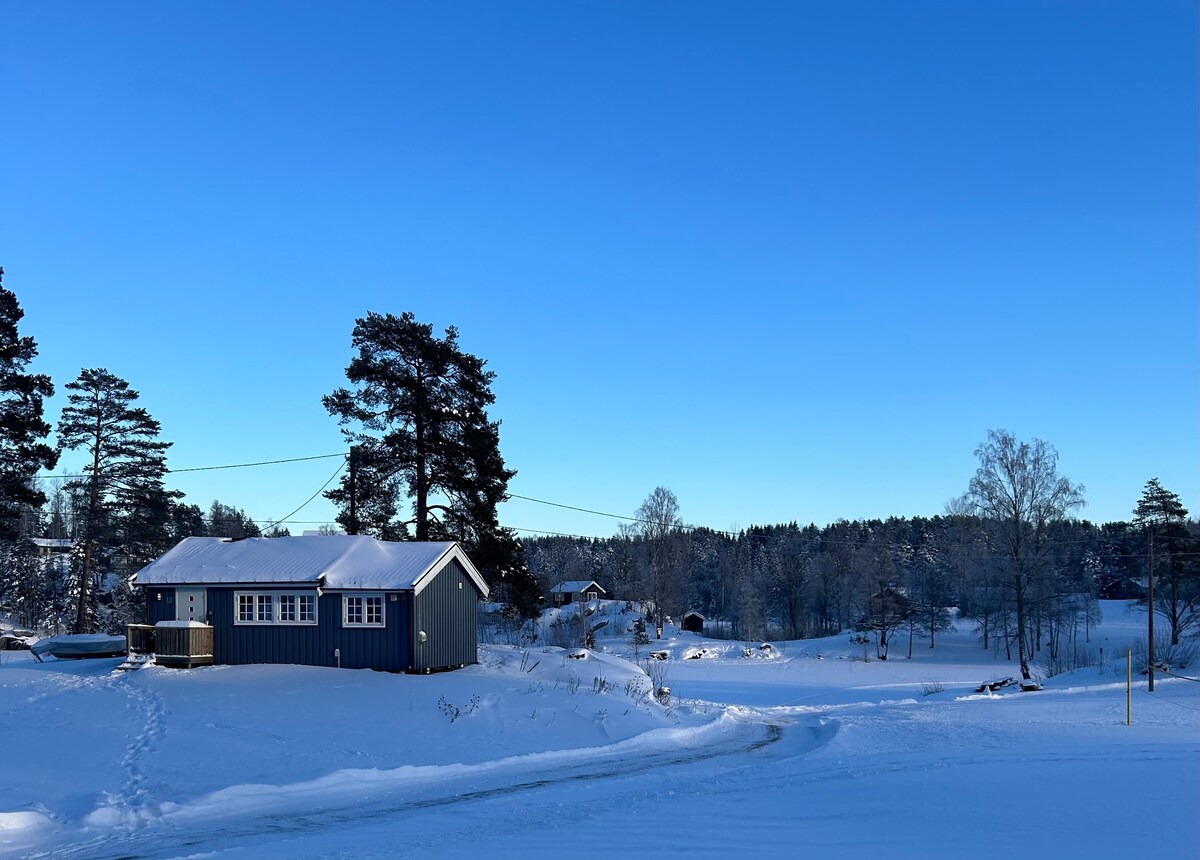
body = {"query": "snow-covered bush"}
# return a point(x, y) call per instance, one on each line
point(656, 671)
point(1166, 655)
point(1067, 661)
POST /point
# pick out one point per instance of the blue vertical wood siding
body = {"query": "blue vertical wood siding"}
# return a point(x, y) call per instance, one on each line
point(160, 610)
point(385, 648)
point(447, 611)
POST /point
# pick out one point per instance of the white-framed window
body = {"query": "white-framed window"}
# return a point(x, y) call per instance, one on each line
point(275, 607)
point(297, 609)
point(362, 610)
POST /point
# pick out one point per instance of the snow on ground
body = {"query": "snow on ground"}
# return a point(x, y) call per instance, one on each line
point(800, 749)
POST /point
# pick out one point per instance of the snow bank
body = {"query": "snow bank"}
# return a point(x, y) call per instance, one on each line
point(11, 822)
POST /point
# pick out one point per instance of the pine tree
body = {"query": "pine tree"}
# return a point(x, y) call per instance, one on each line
point(1163, 516)
point(500, 558)
point(418, 425)
point(22, 425)
point(231, 522)
point(21, 582)
point(122, 494)
point(187, 521)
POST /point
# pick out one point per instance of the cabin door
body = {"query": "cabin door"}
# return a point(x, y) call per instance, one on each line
point(191, 604)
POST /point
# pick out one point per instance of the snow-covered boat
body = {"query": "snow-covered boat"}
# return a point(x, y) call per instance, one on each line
point(79, 645)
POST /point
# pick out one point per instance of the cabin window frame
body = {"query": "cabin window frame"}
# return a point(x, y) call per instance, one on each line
point(297, 613)
point(361, 606)
point(266, 609)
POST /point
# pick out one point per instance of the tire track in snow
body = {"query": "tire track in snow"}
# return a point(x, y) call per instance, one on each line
point(168, 838)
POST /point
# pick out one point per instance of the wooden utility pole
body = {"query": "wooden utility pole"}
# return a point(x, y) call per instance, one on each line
point(1129, 688)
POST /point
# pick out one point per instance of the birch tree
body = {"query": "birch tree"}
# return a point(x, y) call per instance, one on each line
point(1017, 487)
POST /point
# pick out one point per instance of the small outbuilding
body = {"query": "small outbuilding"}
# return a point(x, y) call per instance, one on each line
point(576, 591)
point(693, 622)
point(323, 600)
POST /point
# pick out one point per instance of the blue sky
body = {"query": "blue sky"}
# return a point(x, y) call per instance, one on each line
point(792, 261)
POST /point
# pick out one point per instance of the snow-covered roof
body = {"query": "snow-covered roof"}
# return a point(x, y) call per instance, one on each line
point(576, 585)
point(53, 543)
point(335, 562)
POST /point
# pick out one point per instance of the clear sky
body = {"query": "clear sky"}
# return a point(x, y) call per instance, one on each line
point(791, 261)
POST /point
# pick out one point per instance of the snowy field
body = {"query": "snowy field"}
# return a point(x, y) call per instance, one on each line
point(804, 750)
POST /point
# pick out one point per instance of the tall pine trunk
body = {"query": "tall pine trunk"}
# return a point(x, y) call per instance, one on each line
point(421, 491)
point(82, 620)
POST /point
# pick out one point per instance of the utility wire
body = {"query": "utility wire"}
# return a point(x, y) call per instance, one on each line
point(556, 534)
point(341, 466)
point(752, 530)
point(1176, 704)
point(612, 516)
point(573, 508)
point(1173, 675)
point(261, 463)
point(215, 468)
point(749, 532)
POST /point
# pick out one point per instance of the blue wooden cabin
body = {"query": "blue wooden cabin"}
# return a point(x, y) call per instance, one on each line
point(323, 600)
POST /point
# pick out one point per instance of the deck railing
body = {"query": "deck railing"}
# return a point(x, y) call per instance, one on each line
point(140, 638)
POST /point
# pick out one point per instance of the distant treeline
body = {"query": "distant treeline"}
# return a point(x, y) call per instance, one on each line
point(794, 582)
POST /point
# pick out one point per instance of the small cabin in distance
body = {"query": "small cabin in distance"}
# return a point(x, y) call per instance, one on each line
point(576, 591)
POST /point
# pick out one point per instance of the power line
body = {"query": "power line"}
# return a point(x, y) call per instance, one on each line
point(215, 468)
point(1176, 704)
point(1184, 677)
point(573, 508)
point(337, 472)
point(605, 514)
point(556, 534)
point(753, 531)
point(261, 463)
point(749, 532)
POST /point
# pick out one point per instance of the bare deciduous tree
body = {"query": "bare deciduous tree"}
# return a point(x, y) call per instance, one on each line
point(658, 521)
point(1018, 488)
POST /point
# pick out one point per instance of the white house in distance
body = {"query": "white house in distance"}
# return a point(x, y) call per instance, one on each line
point(575, 591)
point(55, 552)
point(53, 546)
